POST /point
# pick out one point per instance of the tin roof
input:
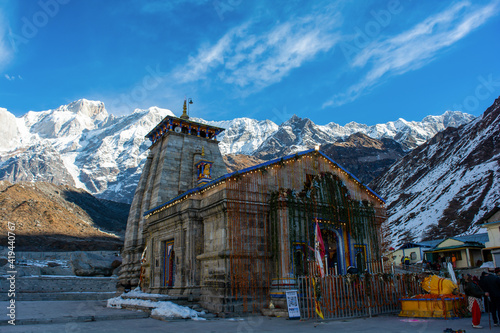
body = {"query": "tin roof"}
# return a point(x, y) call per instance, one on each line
point(255, 167)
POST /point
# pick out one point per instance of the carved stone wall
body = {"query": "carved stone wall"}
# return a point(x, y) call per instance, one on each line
point(169, 171)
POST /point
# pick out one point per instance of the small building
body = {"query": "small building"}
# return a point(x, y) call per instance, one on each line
point(491, 223)
point(466, 249)
point(414, 251)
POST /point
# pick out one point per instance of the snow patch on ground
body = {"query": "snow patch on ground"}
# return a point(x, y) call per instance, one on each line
point(161, 308)
point(138, 293)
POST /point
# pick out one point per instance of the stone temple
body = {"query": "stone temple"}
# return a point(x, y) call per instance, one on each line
point(232, 241)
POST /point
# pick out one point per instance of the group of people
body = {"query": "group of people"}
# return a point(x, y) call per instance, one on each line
point(486, 288)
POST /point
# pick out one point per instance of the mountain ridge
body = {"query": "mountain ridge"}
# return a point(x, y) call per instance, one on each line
point(445, 186)
point(104, 154)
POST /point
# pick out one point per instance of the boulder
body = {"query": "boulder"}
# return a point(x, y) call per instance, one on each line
point(91, 264)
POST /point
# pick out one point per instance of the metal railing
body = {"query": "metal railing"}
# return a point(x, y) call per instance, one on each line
point(354, 295)
point(373, 267)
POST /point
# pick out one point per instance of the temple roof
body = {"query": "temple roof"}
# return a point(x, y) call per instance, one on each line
point(189, 127)
point(223, 178)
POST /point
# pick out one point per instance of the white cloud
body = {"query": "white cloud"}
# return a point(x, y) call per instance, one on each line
point(252, 58)
point(5, 50)
point(13, 77)
point(416, 47)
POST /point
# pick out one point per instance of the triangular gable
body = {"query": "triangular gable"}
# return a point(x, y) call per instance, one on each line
point(410, 246)
point(430, 243)
point(255, 167)
point(449, 242)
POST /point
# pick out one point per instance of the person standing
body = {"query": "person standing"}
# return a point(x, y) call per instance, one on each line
point(491, 284)
point(454, 261)
point(407, 263)
point(474, 294)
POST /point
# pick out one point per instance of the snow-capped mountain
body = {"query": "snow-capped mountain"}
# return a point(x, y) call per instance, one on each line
point(79, 144)
point(297, 134)
point(82, 145)
point(445, 186)
point(242, 135)
point(409, 133)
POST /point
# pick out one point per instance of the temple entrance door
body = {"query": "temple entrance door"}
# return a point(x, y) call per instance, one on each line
point(168, 271)
point(333, 260)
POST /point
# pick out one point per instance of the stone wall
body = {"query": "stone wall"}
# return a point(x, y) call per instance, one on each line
point(168, 172)
point(196, 226)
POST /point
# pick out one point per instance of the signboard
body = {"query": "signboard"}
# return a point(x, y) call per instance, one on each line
point(292, 302)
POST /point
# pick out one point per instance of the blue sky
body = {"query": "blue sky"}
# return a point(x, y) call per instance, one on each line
point(330, 61)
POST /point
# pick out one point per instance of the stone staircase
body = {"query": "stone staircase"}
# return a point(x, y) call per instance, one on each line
point(61, 288)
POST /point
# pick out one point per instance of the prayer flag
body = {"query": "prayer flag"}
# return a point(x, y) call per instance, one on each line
point(319, 250)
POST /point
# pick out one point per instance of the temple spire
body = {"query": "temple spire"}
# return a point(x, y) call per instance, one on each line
point(184, 111)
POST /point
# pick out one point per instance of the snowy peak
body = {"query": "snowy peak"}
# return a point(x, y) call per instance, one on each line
point(295, 134)
point(449, 119)
point(298, 134)
point(409, 133)
point(92, 109)
point(105, 154)
point(242, 135)
point(446, 185)
point(154, 110)
point(10, 134)
point(67, 120)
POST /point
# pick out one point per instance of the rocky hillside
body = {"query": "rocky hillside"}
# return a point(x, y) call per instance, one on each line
point(298, 134)
point(361, 155)
point(56, 217)
point(80, 144)
point(446, 185)
point(235, 162)
point(365, 157)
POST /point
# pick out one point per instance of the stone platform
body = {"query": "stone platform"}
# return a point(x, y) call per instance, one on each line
point(68, 288)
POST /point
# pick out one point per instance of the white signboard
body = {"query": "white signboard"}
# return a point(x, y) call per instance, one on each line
point(293, 304)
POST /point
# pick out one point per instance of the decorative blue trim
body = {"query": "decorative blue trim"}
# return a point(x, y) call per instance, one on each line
point(255, 167)
point(350, 174)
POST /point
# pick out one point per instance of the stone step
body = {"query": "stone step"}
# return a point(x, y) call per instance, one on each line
point(157, 298)
point(62, 296)
point(179, 300)
point(61, 284)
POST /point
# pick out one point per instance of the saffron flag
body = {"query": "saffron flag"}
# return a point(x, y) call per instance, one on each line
point(317, 306)
point(319, 250)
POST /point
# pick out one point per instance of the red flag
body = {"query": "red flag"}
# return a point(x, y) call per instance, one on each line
point(319, 240)
point(319, 250)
